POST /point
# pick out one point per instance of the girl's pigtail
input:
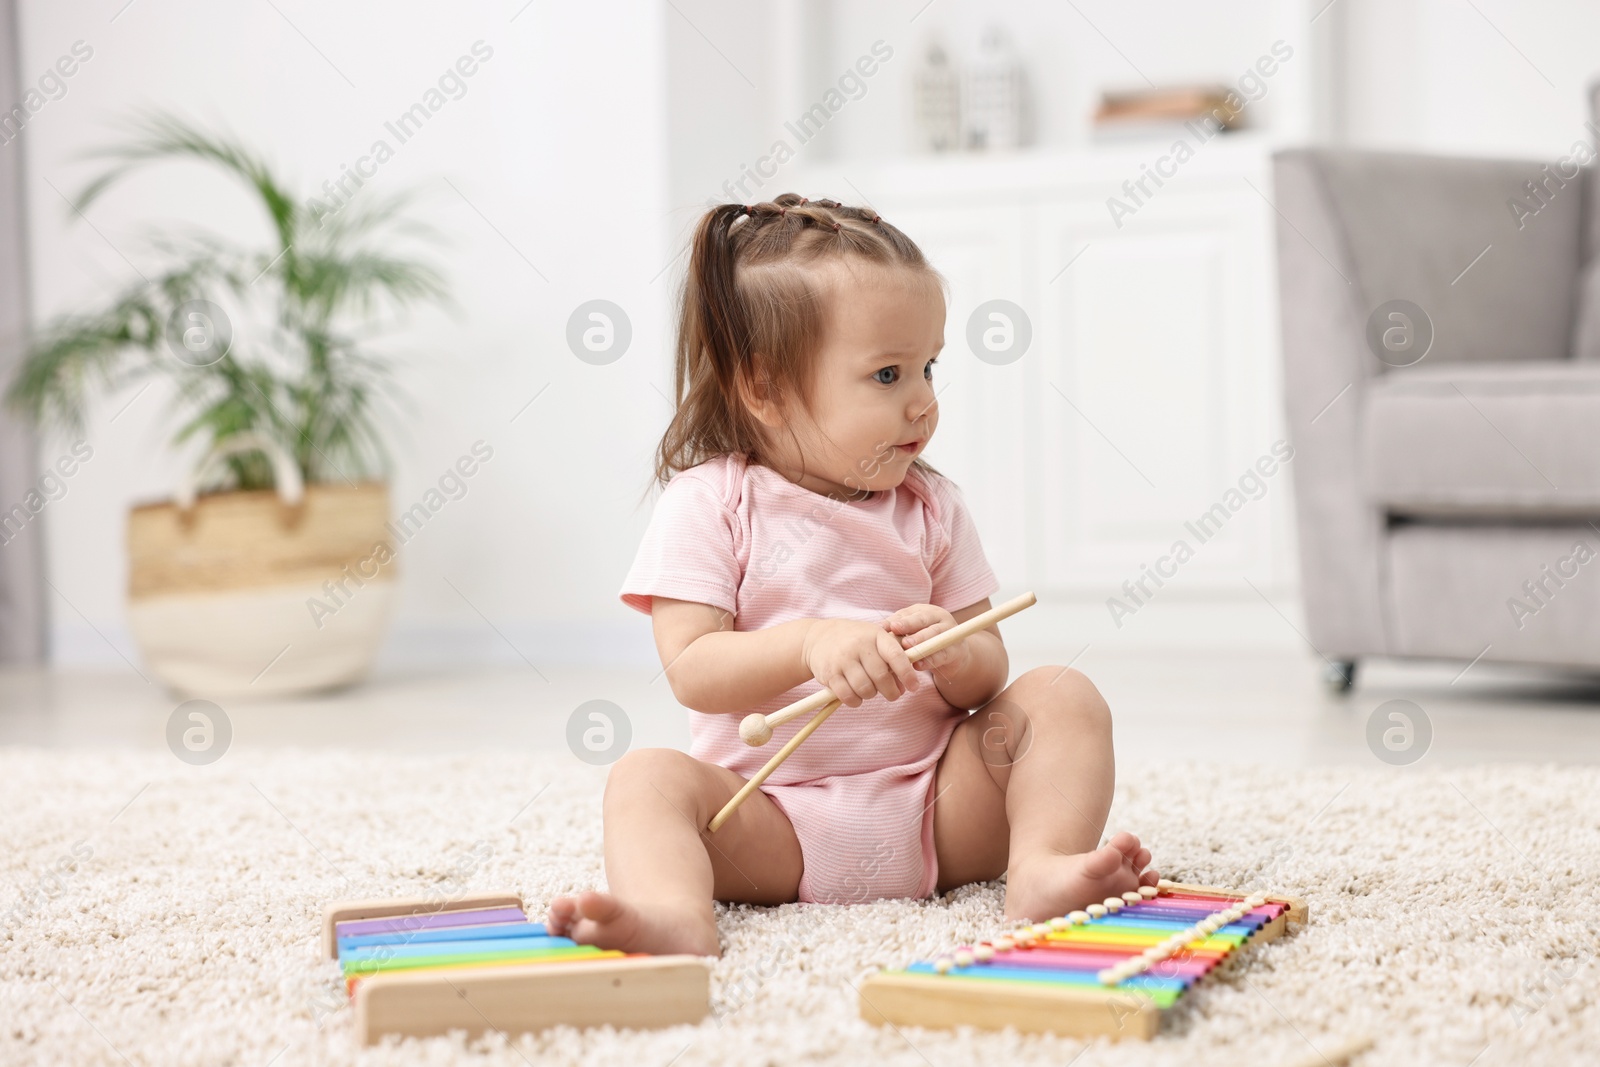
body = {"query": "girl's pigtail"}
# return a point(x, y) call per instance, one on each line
point(714, 296)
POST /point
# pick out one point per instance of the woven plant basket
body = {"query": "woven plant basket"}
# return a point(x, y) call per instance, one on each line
point(265, 593)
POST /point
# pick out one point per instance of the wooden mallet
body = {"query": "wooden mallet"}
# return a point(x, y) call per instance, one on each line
point(756, 728)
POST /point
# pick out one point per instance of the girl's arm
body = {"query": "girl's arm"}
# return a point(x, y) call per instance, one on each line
point(715, 669)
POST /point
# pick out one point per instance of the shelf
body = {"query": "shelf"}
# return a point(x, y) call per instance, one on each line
point(1103, 166)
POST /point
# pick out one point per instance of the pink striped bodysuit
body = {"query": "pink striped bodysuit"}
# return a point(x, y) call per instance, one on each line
point(741, 537)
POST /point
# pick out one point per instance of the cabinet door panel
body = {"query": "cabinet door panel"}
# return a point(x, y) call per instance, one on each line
point(1149, 397)
point(980, 443)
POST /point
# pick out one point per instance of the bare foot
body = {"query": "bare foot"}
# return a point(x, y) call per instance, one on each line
point(605, 921)
point(1043, 885)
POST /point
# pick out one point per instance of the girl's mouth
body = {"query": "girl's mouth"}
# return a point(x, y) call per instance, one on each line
point(909, 449)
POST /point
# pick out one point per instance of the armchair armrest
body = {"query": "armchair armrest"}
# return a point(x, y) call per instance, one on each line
point(1326, 365)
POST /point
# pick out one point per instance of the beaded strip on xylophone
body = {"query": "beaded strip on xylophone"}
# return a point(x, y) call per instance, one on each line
point(418, 967)
point(1109, 969)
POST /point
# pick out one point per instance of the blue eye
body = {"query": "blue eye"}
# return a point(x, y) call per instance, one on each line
point(894, 372)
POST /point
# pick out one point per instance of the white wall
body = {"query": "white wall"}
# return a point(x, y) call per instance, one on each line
point(590, 141)
point(1490, 77)
point(559, 141)
point(738, 71)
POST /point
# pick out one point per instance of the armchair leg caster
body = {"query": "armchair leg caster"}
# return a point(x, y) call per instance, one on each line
point(1339, 676)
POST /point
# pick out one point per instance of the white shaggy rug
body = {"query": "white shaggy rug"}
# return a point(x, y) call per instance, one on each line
point(160, 913)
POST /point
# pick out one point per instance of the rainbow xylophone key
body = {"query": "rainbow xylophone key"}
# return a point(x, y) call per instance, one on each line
point(1110, 969)
point(418, 967)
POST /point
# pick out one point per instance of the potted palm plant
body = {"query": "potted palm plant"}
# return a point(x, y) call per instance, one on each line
point(276, 396)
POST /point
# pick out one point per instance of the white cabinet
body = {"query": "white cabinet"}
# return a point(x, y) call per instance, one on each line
point(983, 252)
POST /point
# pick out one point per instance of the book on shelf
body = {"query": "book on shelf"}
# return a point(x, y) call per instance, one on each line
point(1154, 110)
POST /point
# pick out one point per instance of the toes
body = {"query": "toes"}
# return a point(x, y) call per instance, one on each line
point(599, 907)
point(559, 916)
point(1141, 859)
point(1125, 843)
point(1103, 862)
point(1150, 877)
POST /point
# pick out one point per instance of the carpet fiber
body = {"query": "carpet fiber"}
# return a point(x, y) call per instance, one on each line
point(160, 913)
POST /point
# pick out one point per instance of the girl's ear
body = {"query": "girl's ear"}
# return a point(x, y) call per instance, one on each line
point(759, 395)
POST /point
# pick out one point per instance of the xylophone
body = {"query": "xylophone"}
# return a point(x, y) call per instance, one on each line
point(1110, 969)
point(417, 966)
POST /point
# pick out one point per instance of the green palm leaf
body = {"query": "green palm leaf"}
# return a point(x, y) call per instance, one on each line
point(302, 379)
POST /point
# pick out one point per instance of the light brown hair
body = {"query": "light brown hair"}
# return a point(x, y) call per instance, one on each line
point(752, 294)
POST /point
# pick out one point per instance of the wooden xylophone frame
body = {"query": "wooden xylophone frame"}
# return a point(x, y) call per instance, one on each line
point(634, 991)
point(946, 1002)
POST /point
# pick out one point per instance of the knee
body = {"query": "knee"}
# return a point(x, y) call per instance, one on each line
point(644, 770)
point(1067, 696)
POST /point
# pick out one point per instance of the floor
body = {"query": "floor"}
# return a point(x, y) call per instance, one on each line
point(157, 913)
point(1262, 708)
point(1238, 768)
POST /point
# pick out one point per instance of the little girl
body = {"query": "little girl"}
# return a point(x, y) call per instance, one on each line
point(802, 542)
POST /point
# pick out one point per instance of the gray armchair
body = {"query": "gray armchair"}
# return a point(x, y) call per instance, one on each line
point(1447, 449)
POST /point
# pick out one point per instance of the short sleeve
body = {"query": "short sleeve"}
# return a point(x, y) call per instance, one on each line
point(961, 574)
point(688, 549)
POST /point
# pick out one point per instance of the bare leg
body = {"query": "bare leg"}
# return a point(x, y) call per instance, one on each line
point(1024, 788)
point(664, 870)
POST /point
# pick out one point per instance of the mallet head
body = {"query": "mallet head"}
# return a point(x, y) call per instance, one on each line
point(754, 730)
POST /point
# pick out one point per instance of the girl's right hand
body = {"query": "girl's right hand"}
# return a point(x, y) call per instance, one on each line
point(857, 660)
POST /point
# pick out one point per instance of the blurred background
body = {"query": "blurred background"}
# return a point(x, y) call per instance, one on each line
point(1031, 149)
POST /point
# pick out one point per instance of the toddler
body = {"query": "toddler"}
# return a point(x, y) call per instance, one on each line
point(800, 542)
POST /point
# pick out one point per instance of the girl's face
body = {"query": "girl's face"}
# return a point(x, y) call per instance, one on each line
point(873, 408)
